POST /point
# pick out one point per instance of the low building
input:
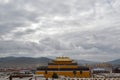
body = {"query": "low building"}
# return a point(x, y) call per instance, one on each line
point(116, 70)
point(64, 66)
point(100, 70)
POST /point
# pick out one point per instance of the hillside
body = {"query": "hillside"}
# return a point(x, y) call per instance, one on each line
point(117, 61)
point(85, 62)
point(28, 62)
point(23, 62)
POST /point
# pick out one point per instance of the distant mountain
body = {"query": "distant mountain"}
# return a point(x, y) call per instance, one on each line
point(28, 62)
point(85, 62)
point(117, 61)
point(23, 62)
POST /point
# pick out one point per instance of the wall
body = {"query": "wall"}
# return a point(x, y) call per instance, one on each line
point(65, 73)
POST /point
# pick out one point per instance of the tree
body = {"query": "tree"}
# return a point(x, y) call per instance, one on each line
point(81, 72)
point(45, 71)
point(10, 77)
point(54, 75)
point(74, 72)
point(46, 74)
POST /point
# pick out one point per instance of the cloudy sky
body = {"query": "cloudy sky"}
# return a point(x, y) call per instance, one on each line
point(80, 29)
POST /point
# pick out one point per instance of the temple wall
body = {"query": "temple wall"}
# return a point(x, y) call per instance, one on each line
point(62, 62)
point(65, 73)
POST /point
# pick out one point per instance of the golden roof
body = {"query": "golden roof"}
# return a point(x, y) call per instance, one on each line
point(62, 59)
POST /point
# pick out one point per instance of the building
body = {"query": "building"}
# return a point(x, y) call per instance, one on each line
point(63, 66)
point(116, 70)
point(100, 70)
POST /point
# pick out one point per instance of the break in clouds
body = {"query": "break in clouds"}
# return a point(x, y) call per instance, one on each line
point(81, 29)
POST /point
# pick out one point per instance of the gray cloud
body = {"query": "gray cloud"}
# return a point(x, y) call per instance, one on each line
point(82, 29)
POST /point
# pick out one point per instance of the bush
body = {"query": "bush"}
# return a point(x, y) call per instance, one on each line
point(54, 75)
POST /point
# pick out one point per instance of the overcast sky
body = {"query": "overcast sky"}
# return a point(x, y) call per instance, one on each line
point(80, 29)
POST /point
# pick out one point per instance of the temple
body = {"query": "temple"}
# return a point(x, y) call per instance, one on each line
point(64, 66)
